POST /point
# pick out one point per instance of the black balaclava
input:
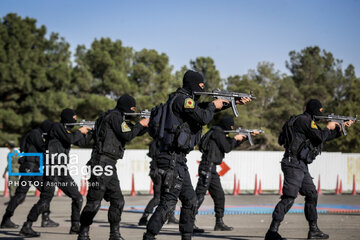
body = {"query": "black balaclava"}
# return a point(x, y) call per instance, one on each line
point(67, 116)
point(46, 125)
point(191, 81)
point(226, 122)
point(313, 107)
point(125, 102)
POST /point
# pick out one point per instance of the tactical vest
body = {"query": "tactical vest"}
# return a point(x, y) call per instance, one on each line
point(107, 143)
point(178, 135)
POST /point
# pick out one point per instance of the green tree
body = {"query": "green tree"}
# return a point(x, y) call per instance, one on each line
point(35, 73)
point(206, 66)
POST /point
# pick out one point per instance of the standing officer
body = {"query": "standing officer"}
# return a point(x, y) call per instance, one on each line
point(214, 144)
point(303, 140)
point(14, 168)
point(184, 120)
point(155, 174)
point(60, 140)
point(33, 142)
point(111, 135)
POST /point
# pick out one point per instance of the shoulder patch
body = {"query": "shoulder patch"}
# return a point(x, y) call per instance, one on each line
point(313, 125)
point(125, 127)
point(189, 103)
point(68, 131)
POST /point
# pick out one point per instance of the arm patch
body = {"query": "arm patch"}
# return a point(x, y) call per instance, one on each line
point(313, 125)
point(189, 103)
point(125, 127)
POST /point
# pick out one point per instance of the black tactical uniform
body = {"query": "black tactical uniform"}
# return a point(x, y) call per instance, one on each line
point(307, 141)
point(189, 117)
point(60, 141)
point(33, 142)
point(214, 144)
point(111, 135)
point(155, 174)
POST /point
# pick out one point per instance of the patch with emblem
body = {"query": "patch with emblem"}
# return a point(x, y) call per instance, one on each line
point(313, 125)
point(125, 127)
point(68, 131)
point(189, 103)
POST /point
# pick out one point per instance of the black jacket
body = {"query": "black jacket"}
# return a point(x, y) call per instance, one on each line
point(306, 128)
point(33, 142)
point(219, 144)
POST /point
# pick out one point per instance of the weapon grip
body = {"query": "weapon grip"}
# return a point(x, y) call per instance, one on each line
point(233, 105)
point(250, 139)
point(343, 127)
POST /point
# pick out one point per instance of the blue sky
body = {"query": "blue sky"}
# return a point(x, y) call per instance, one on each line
point(236, 34)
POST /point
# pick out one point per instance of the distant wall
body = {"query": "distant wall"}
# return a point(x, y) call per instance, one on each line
point(245, 164)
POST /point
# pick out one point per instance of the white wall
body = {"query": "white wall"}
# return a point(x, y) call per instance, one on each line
point(245, 164)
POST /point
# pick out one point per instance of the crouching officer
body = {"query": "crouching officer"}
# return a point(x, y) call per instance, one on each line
point(34, 141)
point(182, 131)
point(303, 140)
point(111, 135)
point(155, 174)
point(214, 144)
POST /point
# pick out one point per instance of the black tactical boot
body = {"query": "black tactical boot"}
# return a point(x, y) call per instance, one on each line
point(27, 231)
point(315, 232)
point(197, 230)
point(115, 232)
point(221, 226)
point(83, 233)
point(186, 236)
point(47, 222)
point(172, 219)
point(148, 236)
point(75, 228)
point(272, 233)
point(143, 220)
point(6, 221)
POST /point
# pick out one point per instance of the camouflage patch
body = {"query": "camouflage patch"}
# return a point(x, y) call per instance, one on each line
point(313, 125)
point(189, 103)
point(125, 127)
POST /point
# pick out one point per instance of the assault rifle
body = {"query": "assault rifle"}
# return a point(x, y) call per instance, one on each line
point(143, 114)
point(246, 132)
point(228, 96)
point(339, 119)
point(82, 123)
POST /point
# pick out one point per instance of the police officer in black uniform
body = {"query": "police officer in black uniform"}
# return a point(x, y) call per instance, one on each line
point(155, 174)
point(185, 118)
point(214, 144)
point(33, 142)
point(303, 140)
point(111, 135)
point(60, 141)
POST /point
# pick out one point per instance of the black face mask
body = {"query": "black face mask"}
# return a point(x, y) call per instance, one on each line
point(125, 103)
point(226, 122)
point(192, 80)
point(313, 107)
point(67, 116)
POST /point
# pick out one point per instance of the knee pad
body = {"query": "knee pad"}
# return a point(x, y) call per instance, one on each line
point(288, 202)
point(78, 201)
point(20, 198)
point(311, 198)
point(117, 203)
point(93, 206)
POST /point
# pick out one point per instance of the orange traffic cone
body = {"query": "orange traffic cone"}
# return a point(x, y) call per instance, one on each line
point(37, 193)
point(234, 190)
point(238, 191)
point(354, 186)
point(59, 193)
point(256, 192)
point(82, 187)
point(133, 193)
point(319, 186)
point(6, 187)
point(151, 191)
point(260, 189)
point(280, 185)
point(337, 185)
point(85, 187)
point(340, 189)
